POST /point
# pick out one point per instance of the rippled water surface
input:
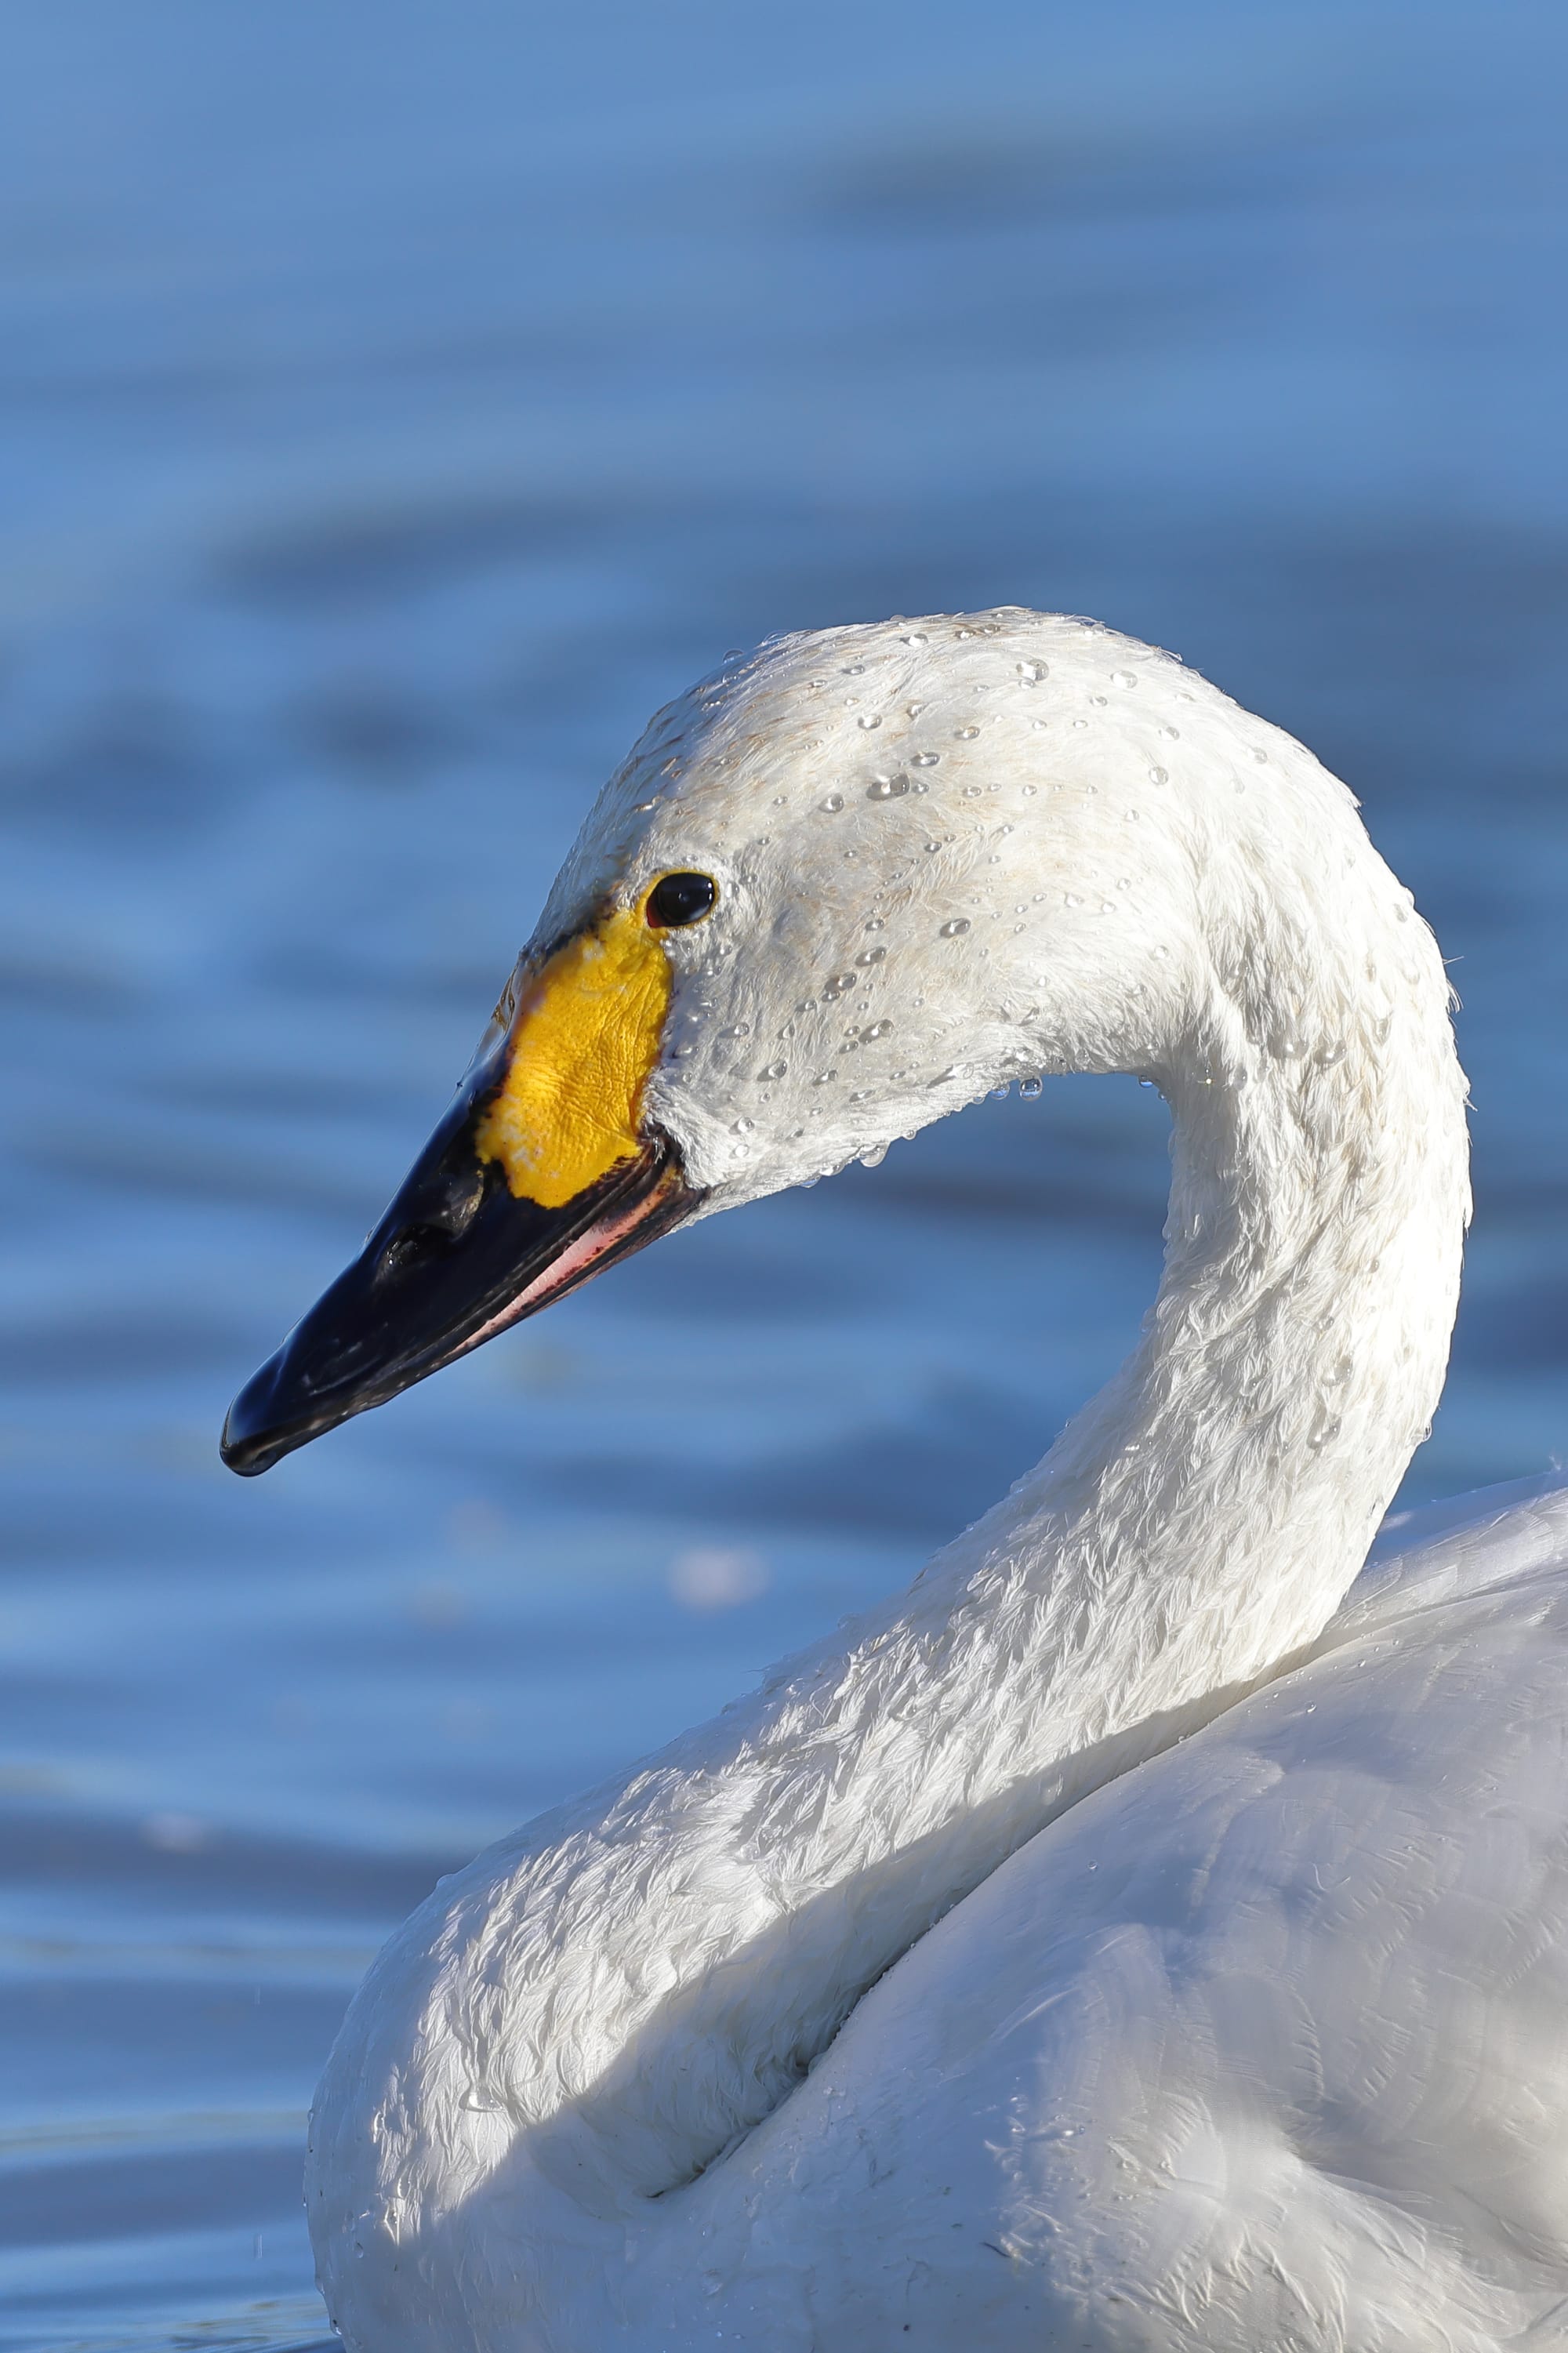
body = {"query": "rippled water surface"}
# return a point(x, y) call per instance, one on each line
point(395, 404)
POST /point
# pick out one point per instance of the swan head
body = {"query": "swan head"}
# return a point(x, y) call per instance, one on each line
point(843, 886)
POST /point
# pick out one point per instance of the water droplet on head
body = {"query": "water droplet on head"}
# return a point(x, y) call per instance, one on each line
point(824, 1078)
point(875, 924)
point(951, 931)
point(1261, 756)
point(738, 1029)
point(1030, 673)
point(966, 735)
point(1071, 899)
point(915, 637)
point(839, 986)
point(876, 1155)
point(1159, 776)
point(1124, 678)
point(868, 719)
point(1030, 791)
point(1330, 1054)
point(887, 788)
point(878, 1030)
point(742, 1127)
point(833, 801)
point(925, 759)
point(1031, 1089)
point(1081, 723)
point(773, 1070)
point(871, 955)
point(973, 792)
point(1001, 1093)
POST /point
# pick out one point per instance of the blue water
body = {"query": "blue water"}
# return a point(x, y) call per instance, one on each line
point(396, 403)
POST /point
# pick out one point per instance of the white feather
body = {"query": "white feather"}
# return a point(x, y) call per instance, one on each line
point(1011, 1971)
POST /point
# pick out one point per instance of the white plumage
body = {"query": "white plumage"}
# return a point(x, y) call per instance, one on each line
point(1011, 1970)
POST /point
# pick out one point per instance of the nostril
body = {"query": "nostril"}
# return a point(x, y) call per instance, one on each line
point(414, 1246)
point(430, 1215)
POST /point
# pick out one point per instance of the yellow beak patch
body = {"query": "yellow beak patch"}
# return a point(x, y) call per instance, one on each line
point(584, 1041)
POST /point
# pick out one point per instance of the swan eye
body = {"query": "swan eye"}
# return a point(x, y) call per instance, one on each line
point(679, 899)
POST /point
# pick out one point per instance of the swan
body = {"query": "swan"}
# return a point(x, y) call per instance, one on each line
point(1150, 1931)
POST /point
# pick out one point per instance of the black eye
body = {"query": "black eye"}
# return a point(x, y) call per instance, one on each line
point(681, 899)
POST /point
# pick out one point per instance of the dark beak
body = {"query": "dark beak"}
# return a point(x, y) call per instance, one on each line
point(455, 1260)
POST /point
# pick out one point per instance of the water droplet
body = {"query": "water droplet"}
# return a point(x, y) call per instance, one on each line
point(1101, 698)
point(1381, 1026)
point(1124, 883)
point(913, 709)
point(1329, 1055)
point(877, 1155)
point(878, 1030)
point(1030, 673)
point(643, 807)
point(1173, 734)
point(868, 719)
point(773, 1070)
point(1030, 791)
point(1081, 723)
point(853, 670)
point(1001, 1093)
point(1159, 775)
point(915, 637)
point(1162, 951)
point(1132, 816)
point(925, 759)
point(875, 924)
point(972, 792)
point(887, 788)
point(1326, 1428)
point(933, 845)
point(835, 801)
point(742, 1127)
point(1261, 756)
point(951, 931)
point(966, 735)
point(871, 955)
point(1071, 899)
point(1031, 1089)
point(1124, 678)
point(1291, 1048)
point(839, 986)
point(823, 1078)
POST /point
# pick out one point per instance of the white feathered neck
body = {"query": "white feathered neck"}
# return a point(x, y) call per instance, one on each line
point(599, 2007)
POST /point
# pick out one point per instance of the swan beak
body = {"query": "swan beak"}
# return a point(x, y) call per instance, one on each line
point(541, 1175)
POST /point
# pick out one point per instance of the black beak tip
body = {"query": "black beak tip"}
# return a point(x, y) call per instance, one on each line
point(255, 1434)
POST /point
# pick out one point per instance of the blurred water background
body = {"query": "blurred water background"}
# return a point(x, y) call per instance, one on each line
point(396, 404)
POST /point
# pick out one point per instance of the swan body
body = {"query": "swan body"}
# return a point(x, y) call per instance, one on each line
point(1121, 1938)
